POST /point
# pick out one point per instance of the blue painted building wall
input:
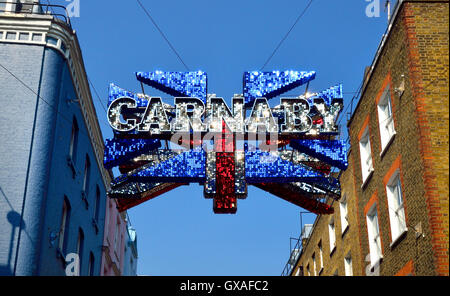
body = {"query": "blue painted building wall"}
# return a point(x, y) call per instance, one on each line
point(34, 173)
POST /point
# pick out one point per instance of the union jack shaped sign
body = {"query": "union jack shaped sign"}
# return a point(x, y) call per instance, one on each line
point(288, 150)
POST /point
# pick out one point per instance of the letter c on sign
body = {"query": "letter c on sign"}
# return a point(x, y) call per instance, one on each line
point(114, 113)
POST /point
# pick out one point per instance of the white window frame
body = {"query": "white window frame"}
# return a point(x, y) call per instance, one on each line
point(74, 140)
point(343, 210)
point(332, 234)
point(87, 174)
point(320, 257)
point(365, 151)
point(396, 206)
point(348, 265)
point(63, 226)
point(385, 118)
point(374, 237)
point(314, 264)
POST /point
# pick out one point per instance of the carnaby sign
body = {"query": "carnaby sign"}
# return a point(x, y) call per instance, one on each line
point(287, 149)
point(292, 115)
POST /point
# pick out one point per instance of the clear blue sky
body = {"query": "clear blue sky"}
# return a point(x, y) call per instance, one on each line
point(178, 234)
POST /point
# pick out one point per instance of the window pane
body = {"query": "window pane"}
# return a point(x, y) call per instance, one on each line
point(388, 104)
point(344, 218)
point(348, 265)
point(398, 193)
point(396, 208)
point(52, 41)
point(24, 36)
point(64, 227)
point(11, 35)
point(401, 220)
point(332, 235)
point(385, 117)
point(314, 264)
point(366, 155)
point(375, 224)
point(87, 172)
point(374, 236)
point(320, 255)
point(73, 141)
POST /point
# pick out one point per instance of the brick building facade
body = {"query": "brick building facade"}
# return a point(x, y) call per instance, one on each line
point(395, 190)
point(322, 253)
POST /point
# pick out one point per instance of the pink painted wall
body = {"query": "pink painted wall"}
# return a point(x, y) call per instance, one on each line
point(114, 241)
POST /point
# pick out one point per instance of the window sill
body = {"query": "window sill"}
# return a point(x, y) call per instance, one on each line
point(366, 181)
point(399, 238)
point(333, 251)
point(376, 264)
point(345, 231)
point(385, 149)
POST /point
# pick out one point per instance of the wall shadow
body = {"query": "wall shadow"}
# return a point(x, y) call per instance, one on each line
point(17, 223)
